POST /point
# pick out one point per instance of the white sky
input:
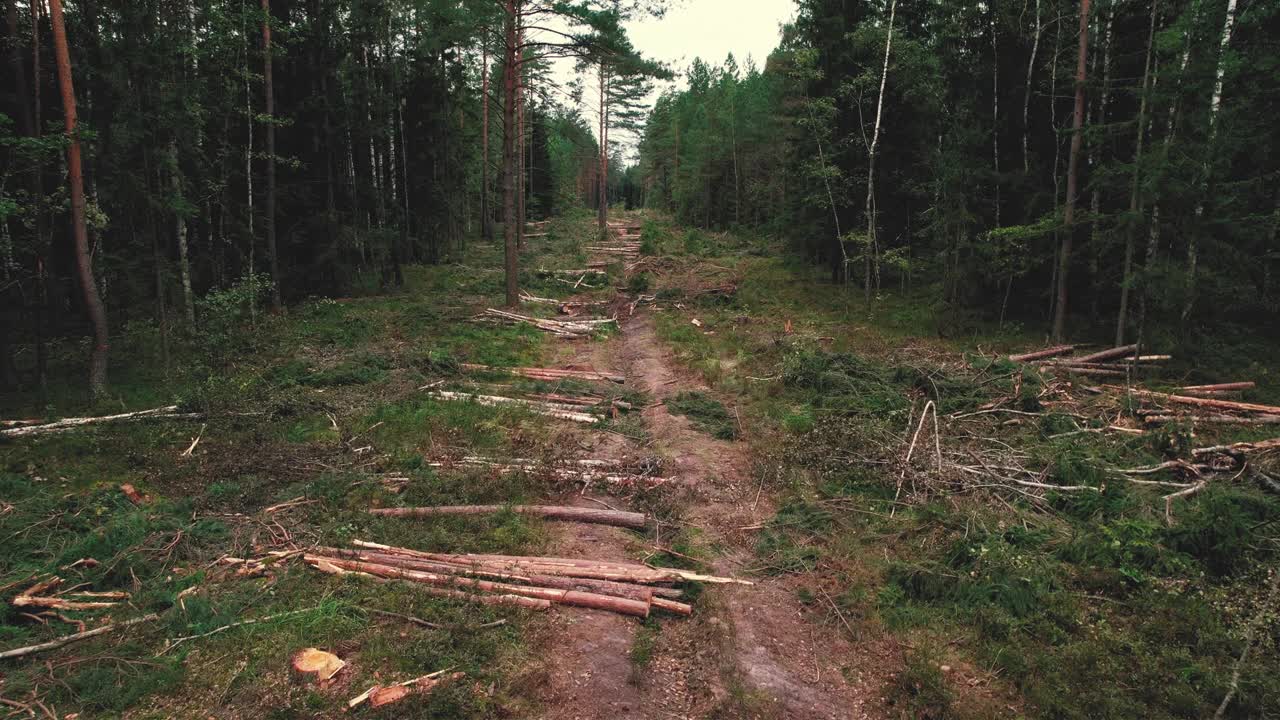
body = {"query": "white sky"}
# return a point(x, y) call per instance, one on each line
point(707, 29)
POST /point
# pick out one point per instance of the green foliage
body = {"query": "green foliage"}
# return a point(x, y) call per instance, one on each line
point(707, 414)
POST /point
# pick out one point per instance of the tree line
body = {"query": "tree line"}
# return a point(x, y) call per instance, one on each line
point(1103, 167)
point(163, 158)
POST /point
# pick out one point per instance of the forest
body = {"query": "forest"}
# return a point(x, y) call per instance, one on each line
point(481, 358)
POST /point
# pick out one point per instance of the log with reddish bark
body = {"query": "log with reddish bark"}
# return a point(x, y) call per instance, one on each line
point(325, 566)
point(1116, 352)
point(624, 606)
point(1207, 402)
point(597, 516)
point(1219, 387)
point(380, 695)
point(1040, 354)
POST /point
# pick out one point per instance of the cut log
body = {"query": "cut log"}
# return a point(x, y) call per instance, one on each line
point(1207, 402)
point(325, 566)
point(1240, 448)
point(1216, 419)
point(616, 518)
point(169, 411)
point(643, 593)
point(1047, 352)
point(1220, 387)
point(672, 606)
point(1087, 371)
point(548, 373)
point(1115, 352)
point(624, 606)
point(574, 567)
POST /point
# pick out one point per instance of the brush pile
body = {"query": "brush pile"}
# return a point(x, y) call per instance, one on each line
point(535, 583)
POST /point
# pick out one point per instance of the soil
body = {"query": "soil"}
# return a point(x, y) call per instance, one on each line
point(748, 651)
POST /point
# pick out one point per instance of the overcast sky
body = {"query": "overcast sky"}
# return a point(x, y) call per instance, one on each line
point(708, 29)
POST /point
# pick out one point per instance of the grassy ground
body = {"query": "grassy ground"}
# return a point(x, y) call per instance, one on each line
point(323, 404)
point(1008, 600)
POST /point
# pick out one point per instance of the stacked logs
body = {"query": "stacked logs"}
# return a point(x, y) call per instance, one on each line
point(548, 374)
point(535, 583)
point(589, 409)
point(1121, 361)
point(576, 328)
point(1204, 404)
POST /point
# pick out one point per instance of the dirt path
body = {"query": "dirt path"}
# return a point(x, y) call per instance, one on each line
point(749, 651)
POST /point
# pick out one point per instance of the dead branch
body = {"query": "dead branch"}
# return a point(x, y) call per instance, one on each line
point(68, 639)
point(169, 411)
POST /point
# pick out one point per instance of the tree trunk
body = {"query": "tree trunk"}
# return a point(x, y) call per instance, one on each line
point(486, 222)
point(1073, 171)
point(180, 232)
point(869, 253)
point(1095, 154)
point(521, 214)
point(84, 263)
point(1135, 202)
point(1026, 98)
point(602, 210)
point(1206, 171)
point(1153, 234)
point(270, 109)
point(510, 67)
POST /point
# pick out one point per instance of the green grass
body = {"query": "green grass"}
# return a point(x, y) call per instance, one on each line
point(1058, 598)
point(706, 413)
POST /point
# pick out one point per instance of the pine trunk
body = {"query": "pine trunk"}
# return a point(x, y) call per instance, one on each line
point(270, 109)
point(486, 222)
point(510, 67)
point(1135, 202)
point(1073, 171)
point(75, 174)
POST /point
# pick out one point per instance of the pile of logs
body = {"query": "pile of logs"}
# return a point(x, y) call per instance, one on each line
point(1120, 361)
point(550, 409)
point(1204, 404)
point(561, 328)
point(583, 471)
point(530, 582)
point(548, 374)
point(626, 249)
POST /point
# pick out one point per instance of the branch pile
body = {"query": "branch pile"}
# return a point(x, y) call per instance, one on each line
point(532, 582)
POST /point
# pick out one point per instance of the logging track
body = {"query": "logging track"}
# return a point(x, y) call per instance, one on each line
point(749, 651)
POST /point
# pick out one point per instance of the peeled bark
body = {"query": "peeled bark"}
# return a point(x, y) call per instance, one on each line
point(596, 516)
point(75, 175)
point(1073, 179)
